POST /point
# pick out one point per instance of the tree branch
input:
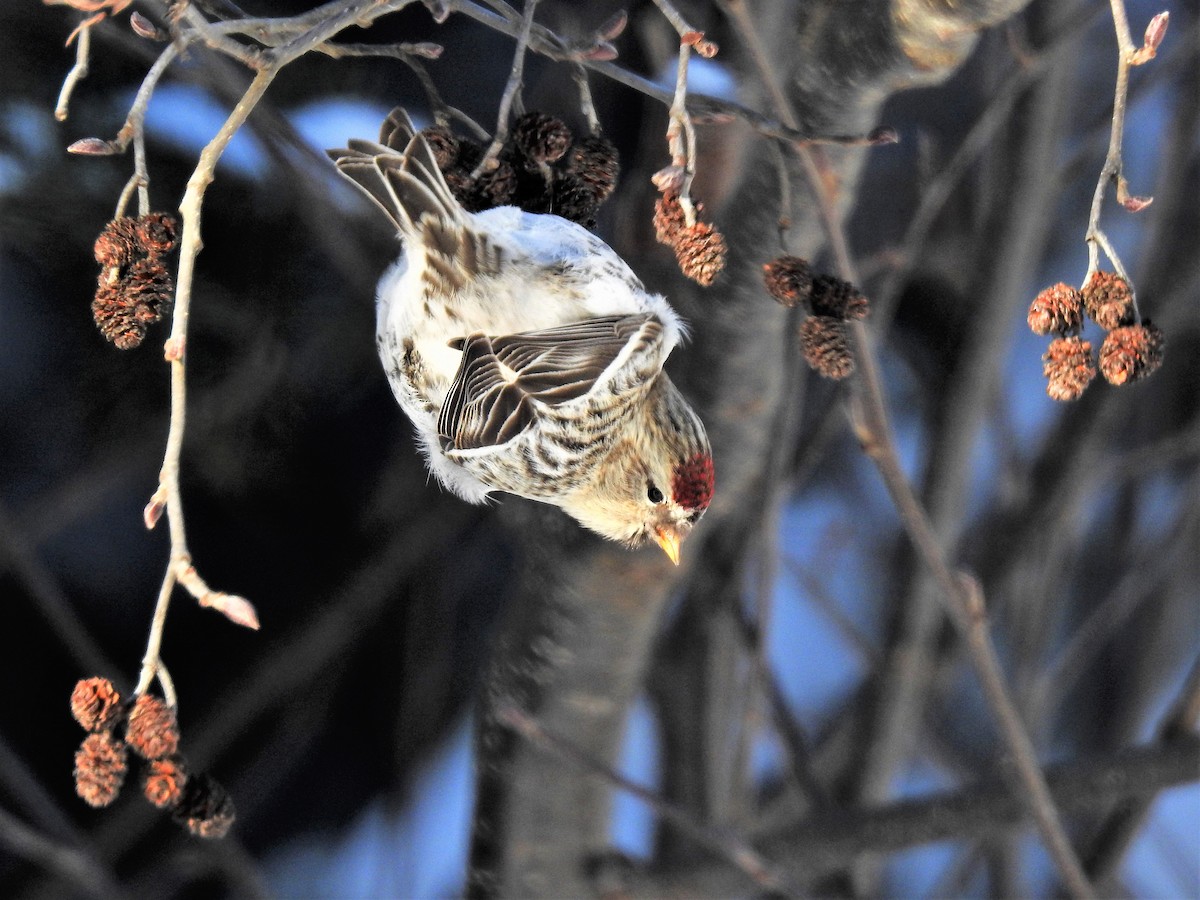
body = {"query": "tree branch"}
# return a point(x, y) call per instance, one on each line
point(984, 811)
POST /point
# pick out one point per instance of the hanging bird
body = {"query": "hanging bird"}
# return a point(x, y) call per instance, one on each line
point(530, 357)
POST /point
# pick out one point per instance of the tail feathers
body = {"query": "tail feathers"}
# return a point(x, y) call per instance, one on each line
point(397, 129)
point(407, 185)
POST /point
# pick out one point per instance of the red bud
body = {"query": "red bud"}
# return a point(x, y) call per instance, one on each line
point(237, 610)
point(1155, 32)
point(92, 147)
point(611, 29)
point(426, 49)
point(439, 10)
point(601, 52)
point(143, 27)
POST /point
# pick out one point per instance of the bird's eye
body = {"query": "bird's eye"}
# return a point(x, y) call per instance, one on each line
point(654, 495)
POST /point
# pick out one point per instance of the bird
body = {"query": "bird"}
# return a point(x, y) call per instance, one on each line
point(529, 356)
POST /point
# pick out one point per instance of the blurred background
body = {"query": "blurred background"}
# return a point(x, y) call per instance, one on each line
point(343, 728)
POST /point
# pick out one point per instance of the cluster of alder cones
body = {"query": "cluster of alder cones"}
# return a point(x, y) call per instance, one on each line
point(831, 304)
point(146, 726)
point(699, 247)
point(134, 289)
point(1131, 350)
point(541, 168)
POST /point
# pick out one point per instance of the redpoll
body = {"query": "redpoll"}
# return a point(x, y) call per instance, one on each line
point(530, 357)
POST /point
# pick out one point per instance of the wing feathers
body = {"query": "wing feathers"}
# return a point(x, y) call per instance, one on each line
point(504, 384)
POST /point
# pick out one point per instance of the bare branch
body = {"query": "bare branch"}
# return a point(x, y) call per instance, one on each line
point(78, 72)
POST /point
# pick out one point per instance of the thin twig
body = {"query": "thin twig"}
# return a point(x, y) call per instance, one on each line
point(135, 122)
point(442, 111)
point(133, 184)
point(334, 17)
point(1129, 55)
point(512, 91)
point(814, 588)
point(190, 242)
point(212, 37)
point(785, 193)
point(1108, 617)
point(548, 44)
point(720, 842)
point(20, 564)
point(1184, 714)
point(588, 107)
point(799, 747)
point(79, 71)
point(681, 130)
point(402, 51)
point(73, 866)
point(681, 135)
point(675, 17)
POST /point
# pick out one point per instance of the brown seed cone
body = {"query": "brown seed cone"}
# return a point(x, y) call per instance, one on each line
point(164, 780)
point(1058, 308)
point(540, 137)
point(156, 232)
point(838, 299)
point(152, 732)
point(206, 810)
point(495, 188)
point(95, 703)
point(118, 244)
point(1131, 353)
point(122, 308)
point(594, 162)
point(700, 251)
point(100, 767)
point(115, 315)
point(669, 219)
point(1108, 300)
point(1068, 367)
point(826, 345)
point(788, 279)
point(575, 200)
point(534, 183)
point(443, 143)
point(469, 154)
point(461, 186)
point(149, 285)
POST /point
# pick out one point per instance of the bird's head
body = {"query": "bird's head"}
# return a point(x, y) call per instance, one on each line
point(656, 481)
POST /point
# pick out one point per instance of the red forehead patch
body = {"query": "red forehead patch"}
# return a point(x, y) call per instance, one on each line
point(692, 482)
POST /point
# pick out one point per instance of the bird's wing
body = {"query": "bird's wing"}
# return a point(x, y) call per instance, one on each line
point(412, 192)
point(505, 383)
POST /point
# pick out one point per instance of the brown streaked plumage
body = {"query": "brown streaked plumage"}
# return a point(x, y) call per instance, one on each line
point(529, 356)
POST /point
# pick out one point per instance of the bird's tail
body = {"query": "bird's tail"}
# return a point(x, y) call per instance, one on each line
point(406, 184)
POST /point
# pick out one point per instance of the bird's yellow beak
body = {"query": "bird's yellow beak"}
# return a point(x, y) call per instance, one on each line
point(668, 539)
